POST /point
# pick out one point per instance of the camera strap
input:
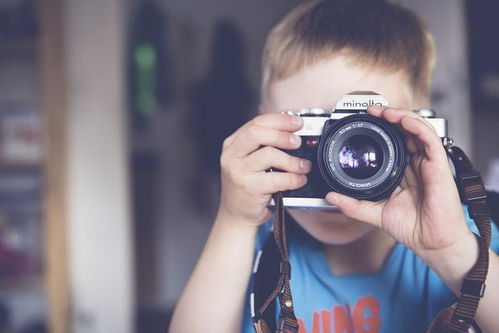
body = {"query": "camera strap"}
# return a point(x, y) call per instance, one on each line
point(459, 318)
point(455, 319)
point(287, 322)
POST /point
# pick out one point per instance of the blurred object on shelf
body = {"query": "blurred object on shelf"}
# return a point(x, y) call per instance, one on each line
point(17, 19)
point(151, 73)
point(20, 224)
point(20, 135)
point(30, 93)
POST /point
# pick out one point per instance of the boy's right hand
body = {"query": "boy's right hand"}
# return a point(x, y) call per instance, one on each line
point(248, 154)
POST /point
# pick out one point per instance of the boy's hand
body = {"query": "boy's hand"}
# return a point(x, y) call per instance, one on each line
point(247, 155)
point(424, 212)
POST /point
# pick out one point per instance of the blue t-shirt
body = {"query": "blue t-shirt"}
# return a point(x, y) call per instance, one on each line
point(403, 296)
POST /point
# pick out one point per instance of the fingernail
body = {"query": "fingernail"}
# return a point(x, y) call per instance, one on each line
point(305, 164)
point(303, 179)
point(297, 120)
point(294, 139)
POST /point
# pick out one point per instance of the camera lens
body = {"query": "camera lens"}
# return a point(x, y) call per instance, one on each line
point(362, 156)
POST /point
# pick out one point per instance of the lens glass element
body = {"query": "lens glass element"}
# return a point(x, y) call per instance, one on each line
point(360, 157)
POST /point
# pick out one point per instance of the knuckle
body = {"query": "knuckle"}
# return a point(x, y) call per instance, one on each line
point(244, 185)
point(224, 161)
point(258, 120)
point(288, 182)
point(293, 163)
point(233, 175)
point(278, 181)
point(273, 137)
point(267, 153)
point(283, 119)
point(252, 132)
point(296, 182)
point(226, 142)
point(285, 138)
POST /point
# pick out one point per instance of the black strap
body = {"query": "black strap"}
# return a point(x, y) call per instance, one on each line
point(287, 322)
point(472, 191)
point(265, 278)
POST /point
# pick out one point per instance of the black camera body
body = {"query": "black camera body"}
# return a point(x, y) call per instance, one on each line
point(352, 153)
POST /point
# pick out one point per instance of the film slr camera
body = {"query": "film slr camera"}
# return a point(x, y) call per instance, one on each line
point(352, 153)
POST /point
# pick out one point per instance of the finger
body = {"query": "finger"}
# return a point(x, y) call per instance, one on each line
point(270, 157)
point(395, 115)
point(278, 121)
point(427, 137)
point(376, 111)
point(362, 210)
point(255, 136)
point(410, 180)
point(412, 144)
point(414, 124)
point(273, 182)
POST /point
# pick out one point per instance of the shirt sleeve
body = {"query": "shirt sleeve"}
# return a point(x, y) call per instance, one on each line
point(494, 244)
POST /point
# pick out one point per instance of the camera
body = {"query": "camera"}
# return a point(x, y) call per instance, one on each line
point(352, 153)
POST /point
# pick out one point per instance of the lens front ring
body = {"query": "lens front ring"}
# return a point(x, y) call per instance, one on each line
point(362, 156)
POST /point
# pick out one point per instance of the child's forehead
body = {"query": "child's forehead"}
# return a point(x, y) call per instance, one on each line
point(322, 84)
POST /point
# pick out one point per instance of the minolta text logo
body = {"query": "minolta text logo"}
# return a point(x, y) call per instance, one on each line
point(364, 104)
point(360, 101)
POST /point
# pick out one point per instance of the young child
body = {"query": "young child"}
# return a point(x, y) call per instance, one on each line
point(386, 266)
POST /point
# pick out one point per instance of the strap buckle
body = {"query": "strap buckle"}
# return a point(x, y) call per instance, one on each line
point(473, 287)
point(261, 326)
point(285, 268)
point(461, 321)
point(287, 325)
point(473, 187)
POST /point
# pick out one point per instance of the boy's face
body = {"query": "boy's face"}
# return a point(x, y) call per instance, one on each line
point(321, 85)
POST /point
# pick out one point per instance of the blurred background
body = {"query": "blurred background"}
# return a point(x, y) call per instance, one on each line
point(112, 113)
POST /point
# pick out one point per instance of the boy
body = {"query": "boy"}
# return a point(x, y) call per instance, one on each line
point(370, 267)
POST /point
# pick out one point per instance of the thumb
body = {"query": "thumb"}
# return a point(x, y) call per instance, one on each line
point(362, 210)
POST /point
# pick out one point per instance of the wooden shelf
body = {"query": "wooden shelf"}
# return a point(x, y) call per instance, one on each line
point(47, 49)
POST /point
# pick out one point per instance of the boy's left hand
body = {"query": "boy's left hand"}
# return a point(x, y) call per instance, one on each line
point(424, 212)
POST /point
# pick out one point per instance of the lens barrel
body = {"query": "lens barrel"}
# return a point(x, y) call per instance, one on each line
point(362, 156)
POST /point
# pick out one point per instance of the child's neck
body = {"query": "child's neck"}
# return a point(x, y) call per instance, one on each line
point(366, 255)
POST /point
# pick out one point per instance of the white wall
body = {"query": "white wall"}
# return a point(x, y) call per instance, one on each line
point(99, 219)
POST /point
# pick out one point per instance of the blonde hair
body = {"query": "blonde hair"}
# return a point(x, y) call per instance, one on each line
point(373, 32)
